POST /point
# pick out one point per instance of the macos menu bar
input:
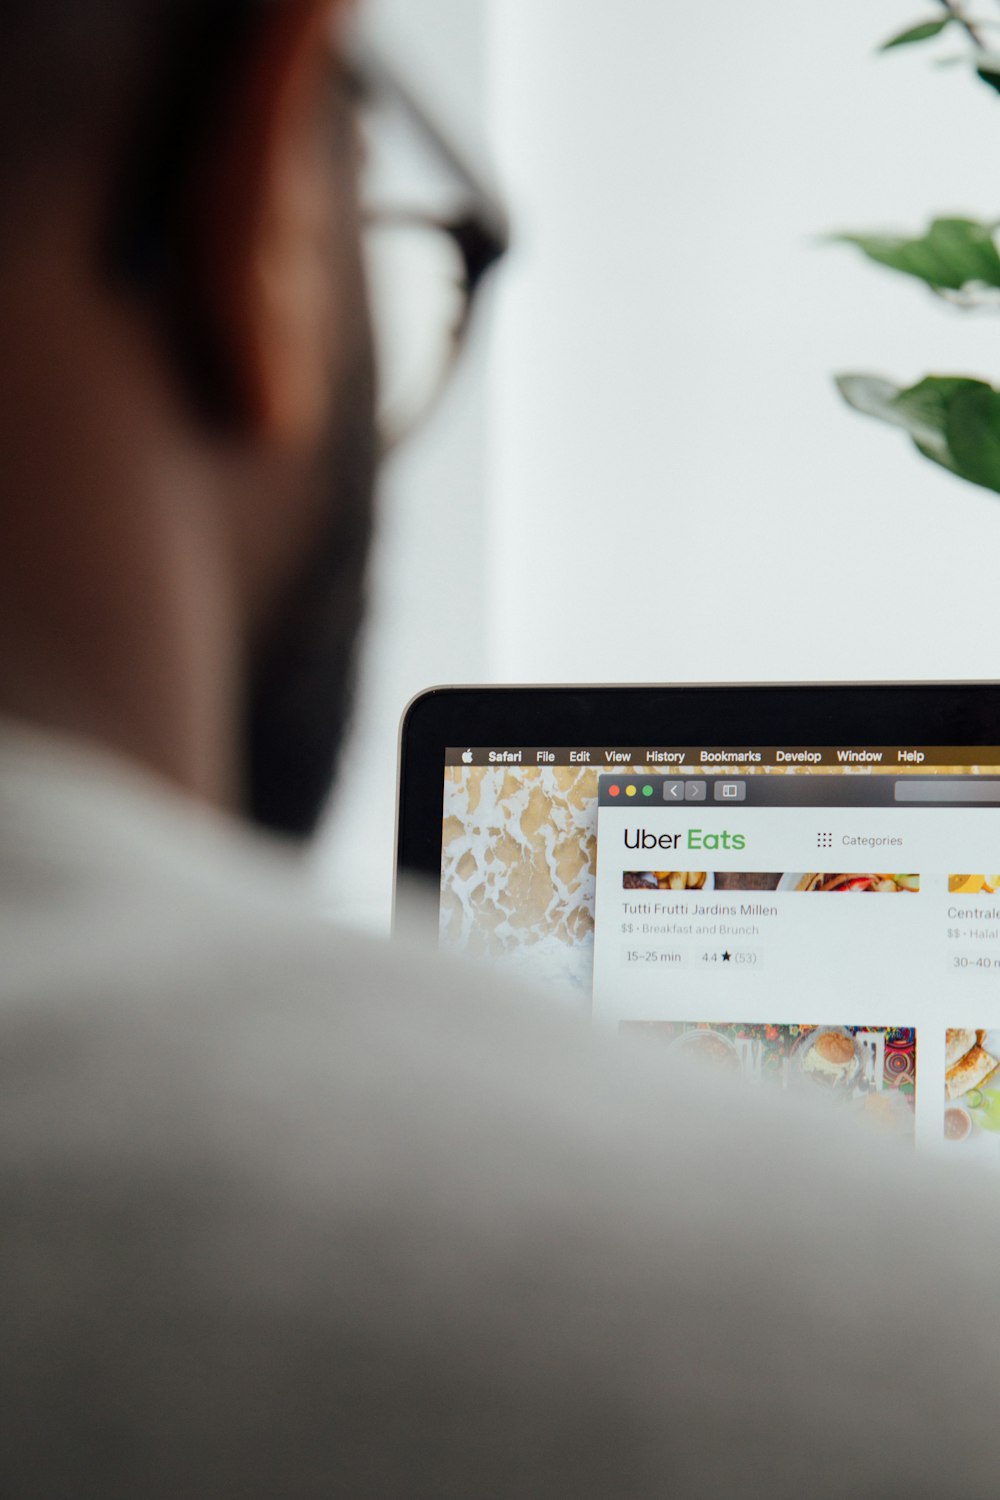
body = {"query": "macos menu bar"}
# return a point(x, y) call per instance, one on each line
point(742, 759)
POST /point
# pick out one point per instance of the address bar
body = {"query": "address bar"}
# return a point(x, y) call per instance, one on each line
point(970, 789)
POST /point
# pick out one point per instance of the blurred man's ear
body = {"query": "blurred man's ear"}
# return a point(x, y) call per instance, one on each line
point(271, 205)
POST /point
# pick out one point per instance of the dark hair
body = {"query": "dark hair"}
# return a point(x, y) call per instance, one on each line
point(75, 74)
point(136, 86)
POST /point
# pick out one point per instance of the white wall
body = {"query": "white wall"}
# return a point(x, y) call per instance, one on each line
point(678, 493)
point(654, 479)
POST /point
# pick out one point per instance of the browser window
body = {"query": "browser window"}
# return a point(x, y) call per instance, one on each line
point(801, 918)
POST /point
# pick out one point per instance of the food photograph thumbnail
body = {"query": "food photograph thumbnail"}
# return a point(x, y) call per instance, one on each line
point(869, 1070)
point(972, 1089)
point(751, 880)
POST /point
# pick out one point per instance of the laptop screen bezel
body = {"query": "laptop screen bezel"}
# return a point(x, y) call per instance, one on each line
point(804, 714)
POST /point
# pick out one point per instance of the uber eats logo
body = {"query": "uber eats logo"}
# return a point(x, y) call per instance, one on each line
point(694, 839)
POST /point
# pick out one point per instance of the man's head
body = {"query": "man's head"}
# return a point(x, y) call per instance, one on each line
point(186, 388)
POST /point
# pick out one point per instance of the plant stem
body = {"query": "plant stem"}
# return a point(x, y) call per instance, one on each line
point(954, 11)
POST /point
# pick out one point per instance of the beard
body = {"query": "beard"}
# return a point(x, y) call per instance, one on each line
point(303, 675)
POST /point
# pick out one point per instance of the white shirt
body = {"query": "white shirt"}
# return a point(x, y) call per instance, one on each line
point(288, 1214)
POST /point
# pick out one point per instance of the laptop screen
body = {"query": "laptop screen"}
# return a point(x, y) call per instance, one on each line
point(723, 900)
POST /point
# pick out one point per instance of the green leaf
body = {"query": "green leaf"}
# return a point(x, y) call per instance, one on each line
point(952, 255)
point(987, 65)
point(973, 433)
point(953, 420)
point(920, 411)
point(920, 33)
point(873, 396)
point(923, 411)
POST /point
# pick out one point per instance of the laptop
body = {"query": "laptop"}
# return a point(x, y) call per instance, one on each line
point(694, 868)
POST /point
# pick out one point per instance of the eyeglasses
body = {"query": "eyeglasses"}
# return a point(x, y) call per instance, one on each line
point(424, 266)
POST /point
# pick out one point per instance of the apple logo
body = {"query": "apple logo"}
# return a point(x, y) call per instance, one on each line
point(467, 758)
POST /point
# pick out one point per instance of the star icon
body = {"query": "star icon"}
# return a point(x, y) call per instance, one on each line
point(726, 957)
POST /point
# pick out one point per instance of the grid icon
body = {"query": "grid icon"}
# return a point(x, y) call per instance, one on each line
point(824, 841)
